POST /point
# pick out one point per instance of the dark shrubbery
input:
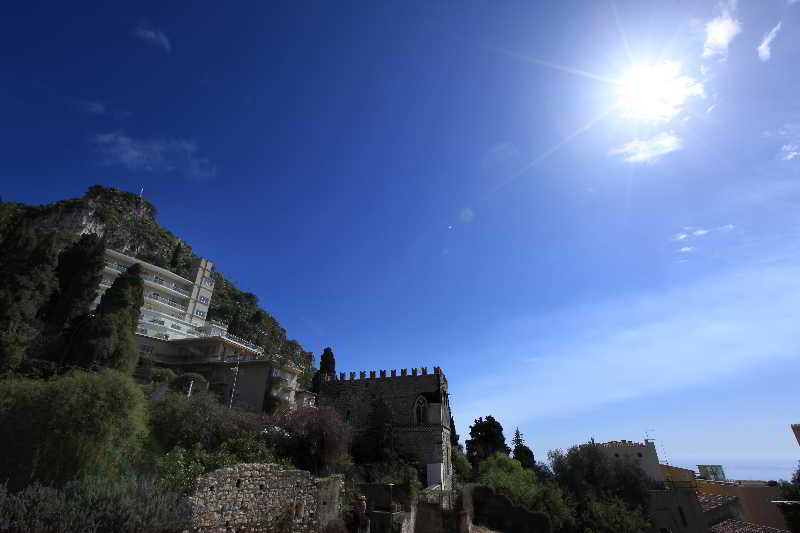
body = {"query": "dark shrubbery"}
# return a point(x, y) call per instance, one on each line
point(180, 468)
point(315, 439)
point(80, 424)
point(91, 505)
point(200, 419)
point(181, 383)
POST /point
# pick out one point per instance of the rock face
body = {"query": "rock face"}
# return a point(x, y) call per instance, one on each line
point(262, 497)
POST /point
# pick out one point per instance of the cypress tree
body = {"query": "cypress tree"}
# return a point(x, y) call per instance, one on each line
point(106, 338)
point(27, 271)
point(521, 452)
point(79, 272)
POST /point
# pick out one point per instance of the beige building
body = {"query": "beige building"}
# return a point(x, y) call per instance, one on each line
point(643, 453)
point(174, 332)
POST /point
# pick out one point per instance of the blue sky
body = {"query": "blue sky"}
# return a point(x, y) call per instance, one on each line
point(585, 212)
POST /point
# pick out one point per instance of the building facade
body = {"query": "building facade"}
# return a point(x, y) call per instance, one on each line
point(643, 453)
point(419, 409)
point(174, 332)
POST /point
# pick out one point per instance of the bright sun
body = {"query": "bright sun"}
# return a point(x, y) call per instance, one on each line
point(655, 92)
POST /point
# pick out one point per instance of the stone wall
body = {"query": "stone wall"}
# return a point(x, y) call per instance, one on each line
point(263, 497)
point(356, 398)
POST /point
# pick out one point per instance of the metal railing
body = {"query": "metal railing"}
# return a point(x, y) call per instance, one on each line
point(166, 301)
point(168, 284)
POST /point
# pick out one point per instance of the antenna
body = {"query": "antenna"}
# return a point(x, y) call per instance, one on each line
point(141, 192)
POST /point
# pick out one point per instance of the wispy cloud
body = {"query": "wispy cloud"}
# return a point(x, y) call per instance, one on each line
point(466, 215)
point(644, 150)
point(721, 30)
point(687, 249)
point(94, 108)
point(790, 151)
point(692, 233)
point(719, 326)
point(152, 36)
point(153, 155)
point(699, 232)
point(764, 50)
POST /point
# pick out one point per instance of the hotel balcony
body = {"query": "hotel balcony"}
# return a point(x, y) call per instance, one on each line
point(167, 284)
point(167, 302)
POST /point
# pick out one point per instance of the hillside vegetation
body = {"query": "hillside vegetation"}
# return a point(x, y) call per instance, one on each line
point(128, 224)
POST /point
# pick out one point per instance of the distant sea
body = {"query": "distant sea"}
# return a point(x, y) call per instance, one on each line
point(764, 470)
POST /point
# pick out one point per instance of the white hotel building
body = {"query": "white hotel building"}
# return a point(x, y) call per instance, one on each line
point(174, 332)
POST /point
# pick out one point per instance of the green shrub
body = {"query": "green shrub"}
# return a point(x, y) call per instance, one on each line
point(181, 383)
point(507, 477)
point(80, 424)
point(314, 438)
point(93, 504)
point(162, 375)
point(178, 420)
point(180, 468)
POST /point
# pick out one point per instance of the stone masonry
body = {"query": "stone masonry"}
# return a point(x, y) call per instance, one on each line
point(262, 497)
point(419, 406)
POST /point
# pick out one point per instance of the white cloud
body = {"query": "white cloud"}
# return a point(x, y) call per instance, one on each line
point(95, 108)
point(790, 151)
point(153, 155)
point(714, 328)
point(644, 150)
point(699, 232)
point(680, 237)
point(764, 51)
point(687, 249)
point(656, 92)
point(727, 227)
point(466, 215)
point(152, 36)
point(721, 30)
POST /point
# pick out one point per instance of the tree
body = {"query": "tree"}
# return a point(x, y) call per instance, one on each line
point(175, 261)
point(106, 338)
point(27, 269)
point(327, 368)
point(507, 476)
point(609, 495)
point(486, 439)
point(790, 491)
point(79, 272)
point(521, 452)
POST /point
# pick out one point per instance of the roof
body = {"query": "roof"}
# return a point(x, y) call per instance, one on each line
point(739, 526)
point(711, 501)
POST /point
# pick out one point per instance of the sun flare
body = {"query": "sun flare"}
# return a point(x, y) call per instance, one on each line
point(655, 92)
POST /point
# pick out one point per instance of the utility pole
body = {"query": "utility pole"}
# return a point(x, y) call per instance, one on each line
point(235, 378)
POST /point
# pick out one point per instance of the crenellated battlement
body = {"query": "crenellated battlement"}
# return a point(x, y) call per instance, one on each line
point(382, 374)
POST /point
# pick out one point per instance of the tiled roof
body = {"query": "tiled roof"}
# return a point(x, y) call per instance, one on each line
point(712, 501)
point(737, 526)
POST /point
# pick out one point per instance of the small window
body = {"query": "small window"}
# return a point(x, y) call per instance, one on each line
point(419, 412)
point(200, 313)
point(616, 455)
point(203, 300)
point(639, 454)
point(208, 282)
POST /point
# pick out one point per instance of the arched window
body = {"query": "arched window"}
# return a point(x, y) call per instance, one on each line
point(419, 411)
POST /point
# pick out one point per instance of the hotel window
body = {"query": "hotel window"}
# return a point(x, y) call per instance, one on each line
point(200, 313)
point(208, 282)
point(203, 299)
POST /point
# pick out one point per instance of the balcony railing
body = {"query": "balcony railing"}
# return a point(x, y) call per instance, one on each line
point(119, 267)
point(166, 301)
point(167, 284)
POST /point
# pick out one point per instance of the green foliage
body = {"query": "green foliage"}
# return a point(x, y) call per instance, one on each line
point(79, 272)
point(461, 465)
point(27, 269)
point(314, 438)
point(106, 338)
point(507, 476)
point(180, 468)
point(122, 505)
point(790, 491)
point(178, 420)
point(79, 424)
point(486, 439)
point(521, 452)
point(180, 383)
point(162, 375)
point(608, 494)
